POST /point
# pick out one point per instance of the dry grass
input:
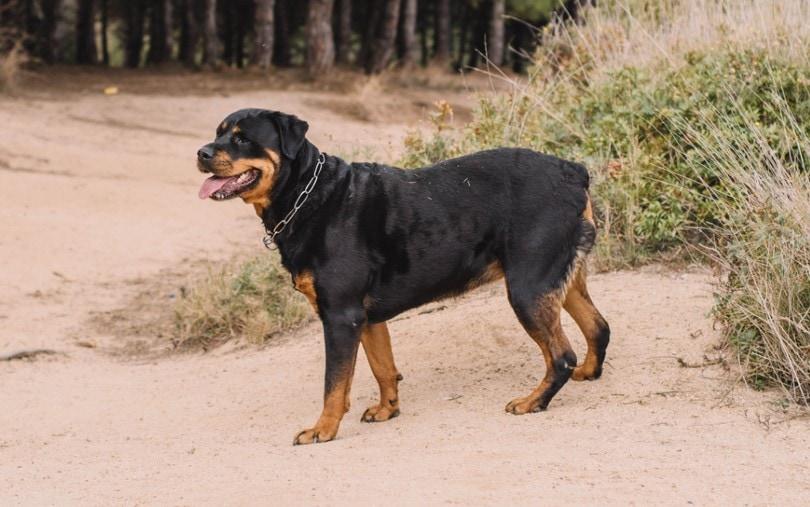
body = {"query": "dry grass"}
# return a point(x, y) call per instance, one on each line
point(650, 34)
point(252, 300)
point(642, 33)
point(763, 246)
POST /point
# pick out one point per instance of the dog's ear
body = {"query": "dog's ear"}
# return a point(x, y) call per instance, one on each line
point(292, 132)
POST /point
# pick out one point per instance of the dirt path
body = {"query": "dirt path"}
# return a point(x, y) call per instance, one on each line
point(99, 191)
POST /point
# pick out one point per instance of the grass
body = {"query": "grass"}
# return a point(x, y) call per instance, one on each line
point(252, 300)
point(762, 243)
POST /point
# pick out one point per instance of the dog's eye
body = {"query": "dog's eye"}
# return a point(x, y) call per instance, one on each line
point(240, 140)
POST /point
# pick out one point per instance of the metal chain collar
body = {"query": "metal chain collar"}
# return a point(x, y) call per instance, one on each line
point(269, 238)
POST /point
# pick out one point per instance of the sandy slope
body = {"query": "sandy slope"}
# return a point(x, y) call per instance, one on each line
point(100, 191)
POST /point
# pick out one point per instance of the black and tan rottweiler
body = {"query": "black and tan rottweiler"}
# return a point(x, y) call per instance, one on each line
point(365, 242)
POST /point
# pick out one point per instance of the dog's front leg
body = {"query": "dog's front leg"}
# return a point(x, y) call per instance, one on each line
point(341, 338)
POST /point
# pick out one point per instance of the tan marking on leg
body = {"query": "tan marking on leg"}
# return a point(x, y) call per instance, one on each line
point(305, 284)
point(348, 398)
point(377, 345)
point(334, 406)
point(530, 403)
point(552, 341)
point(579, 305)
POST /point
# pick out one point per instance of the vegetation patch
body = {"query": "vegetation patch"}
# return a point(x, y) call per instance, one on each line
point(253, 300)
point(762, 242)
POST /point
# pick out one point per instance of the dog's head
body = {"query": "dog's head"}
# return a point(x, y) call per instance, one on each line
point(247, 154)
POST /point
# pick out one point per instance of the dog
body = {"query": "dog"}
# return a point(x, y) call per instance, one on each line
point(365, 242)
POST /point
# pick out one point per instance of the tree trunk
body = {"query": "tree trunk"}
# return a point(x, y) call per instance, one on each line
point(264, 29)
point(343, 37)
point(523, 44)
point(479, 35)
point(372, 19)
point(105, 45)
point(226, 31)
point(50, 16)
point(160, 32)
point(495, 33)
point(320, 43)
point(168, 34)
point(463, 37)
point(442, 32)
point(189, 34)
point(422, 23)
point(134, 16)
point(30, 22)
point(14, 22)
point(383, 41)
point(410, 46)
point(239, 24)
point(211, 43)
point(86, 33)
point(281, 46)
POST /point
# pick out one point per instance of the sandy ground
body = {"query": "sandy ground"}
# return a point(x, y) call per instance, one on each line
point(100, 195)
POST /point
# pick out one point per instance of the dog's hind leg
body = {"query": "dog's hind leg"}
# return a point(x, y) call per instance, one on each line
point(539, 313)
point(596, 330)
point(377, 346)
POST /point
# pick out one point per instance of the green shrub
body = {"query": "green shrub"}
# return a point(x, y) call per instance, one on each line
point(762, 242)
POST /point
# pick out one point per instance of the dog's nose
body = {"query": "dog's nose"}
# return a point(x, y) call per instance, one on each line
point(205, 153)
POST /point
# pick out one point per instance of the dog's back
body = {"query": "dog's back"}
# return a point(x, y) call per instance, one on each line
point(442, 229)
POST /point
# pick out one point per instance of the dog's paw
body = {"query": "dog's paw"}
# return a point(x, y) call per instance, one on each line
point(317, 435)
point(524, 405)
point(380, 413)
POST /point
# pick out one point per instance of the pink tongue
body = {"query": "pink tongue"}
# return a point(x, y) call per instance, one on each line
point(211, 185)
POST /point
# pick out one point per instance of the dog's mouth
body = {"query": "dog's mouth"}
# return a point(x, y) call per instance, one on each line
point(221, 189)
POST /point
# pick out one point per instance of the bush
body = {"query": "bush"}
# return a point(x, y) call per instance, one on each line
point(252, 300)
point(762, 242)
